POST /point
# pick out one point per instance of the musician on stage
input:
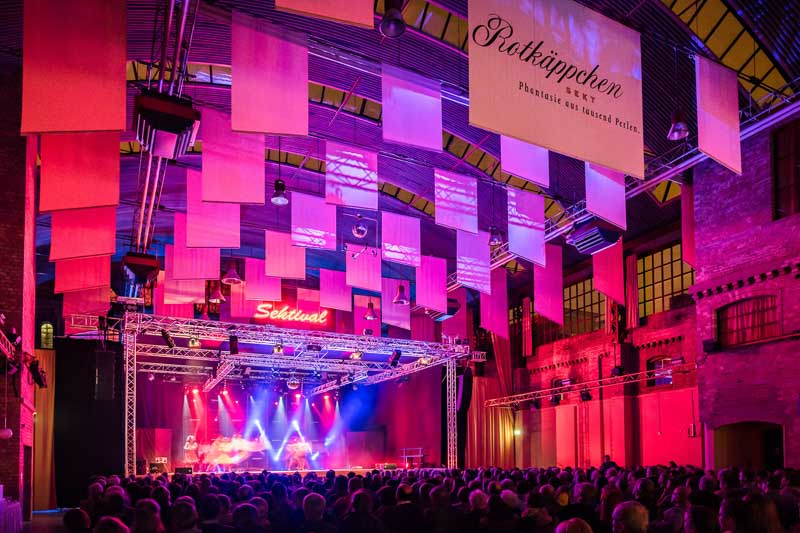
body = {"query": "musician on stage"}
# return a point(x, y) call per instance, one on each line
point(297, 452)
point(190, 456)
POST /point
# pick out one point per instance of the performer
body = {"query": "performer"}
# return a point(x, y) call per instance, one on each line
point(297, 452)
point(190, 456)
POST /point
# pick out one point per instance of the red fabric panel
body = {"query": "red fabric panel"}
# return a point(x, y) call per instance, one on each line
point(233, 163)
point(605, 194)
point(313, 222)
point(257, 285)
point(90, 302)
point(423, 328)
point(631, 291)
point(432, 283)
point(84, 273)
point(209, 224)
point(525, 160)
point(356, 12)
point(83, 232)
point(364, 271)
point(526, 225)
point(411, 108)
point(360, 304)
point(79, 170)
point(687, 224)
point(73, 65)
point(351, 176)
point(457, 325)
point(391, 313)
point(609, 276)
point(527, 327)
point(718, 113)
point(284, 260)
point(239, 305)
point(456, 199)
point(334, 293)
point(184, 310)
point(401, 239)
point(269, 89)
point(494, 306)
point(183, 262)
point(548, 286)
point(473, 261)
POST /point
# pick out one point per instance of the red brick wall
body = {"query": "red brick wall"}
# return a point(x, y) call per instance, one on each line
point(737, 238)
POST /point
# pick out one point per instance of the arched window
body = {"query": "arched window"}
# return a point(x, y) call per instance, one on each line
point(662, 371)
point(46, 333)
point(748, 320)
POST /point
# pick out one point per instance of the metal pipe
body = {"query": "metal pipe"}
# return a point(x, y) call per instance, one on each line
point(178, 45)
point(167, 25)
point(144, 201)
point(185, 59)
point(152, 204)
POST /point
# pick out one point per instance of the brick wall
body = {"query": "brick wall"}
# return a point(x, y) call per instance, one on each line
point(737, 240)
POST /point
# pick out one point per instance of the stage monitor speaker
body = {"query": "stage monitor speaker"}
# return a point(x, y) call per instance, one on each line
point(183, 470)
point(710, 345)
point(158, 468)
point(104, 370)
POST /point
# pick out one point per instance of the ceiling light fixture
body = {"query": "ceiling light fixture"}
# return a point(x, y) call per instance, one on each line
point(400, 298)
point(277, 349)
point(357, 355)
point(679, 129)
point(232, 277)
point(370, 314)
point(359, 229)
point(392, 24)
point(215, 295)
point(194, 343)
point(279, 195)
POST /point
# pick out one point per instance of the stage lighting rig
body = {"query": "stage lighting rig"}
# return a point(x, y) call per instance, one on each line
point(394, 359)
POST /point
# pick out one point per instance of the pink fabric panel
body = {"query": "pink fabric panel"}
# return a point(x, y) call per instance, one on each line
point(233, 163)
point(185, 291)
point(412, 109)
point(423, 328)
point(351, 176)
point(473, 261)
point(257, 285)
point(687, 224)
point(283, 259)
point(313, 222)
point(391, 313)
point(494, 307)
point(548, 286)
point(269, 89)
point(458, 325)
point(209, 224)
point(456, 199)
point(401, 239)
point(609, 276)
point(89, 302)
point(364, 271)
point(308, 300)
point(605, 194)
point(73, 65)
point(718, 113)
point(83, 232)
point(528, 161)
point(431, 289)
point(360, 303)
point(334, 293)
point(356, 12)
point(84, 273)
point(526, 225)
point(79, 170)
point(185, 310)
point(183, 262)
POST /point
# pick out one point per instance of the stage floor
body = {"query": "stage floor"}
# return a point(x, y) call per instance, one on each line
point(320, 472)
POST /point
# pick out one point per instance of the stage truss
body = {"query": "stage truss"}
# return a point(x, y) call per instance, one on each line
point(321, 354)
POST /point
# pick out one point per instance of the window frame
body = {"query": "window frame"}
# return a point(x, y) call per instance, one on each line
point(647, 271)
point(720, 320)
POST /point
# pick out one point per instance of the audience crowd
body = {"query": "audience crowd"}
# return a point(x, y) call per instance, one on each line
point(609, 499)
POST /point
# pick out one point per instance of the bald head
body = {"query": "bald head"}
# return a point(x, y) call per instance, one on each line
point(630, 517)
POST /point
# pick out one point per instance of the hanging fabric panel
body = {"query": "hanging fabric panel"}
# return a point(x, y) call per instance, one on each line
point(257, 285)
point(526, 225)
point(431, 279)
point(718, 113)
point(605, 194)
point(183, 262)
point(209, 224)
point(351, 176)
point(364, 270)
point(411, 108)
point(83, 232)
point(473, 261)
point(494, 306)
point(528, 161)
point(548, 286)
point(391, 313)
point(456, 198)
point(282, 259)
point(81, 274)
point(334, 293)
point(400, 236)
point(313, 222)
point(608, 272)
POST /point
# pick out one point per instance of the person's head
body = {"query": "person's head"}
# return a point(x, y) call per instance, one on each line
point(278, 492)
point(147, 517)
point(385, 496)
point(584, 493)
point(261, 506)
point(109, 524)
point(707, 483)
point(95, 491)
point(224, 504)
point(245, 517)
point(511, 499)
point(680, 496)
point(699, 519)
point(361, 502)
point(734, 515)
point(245, 492)
point(574, 525)
point(610, 497)
point(440, 496)
point(313, 507)
point(630, 517)
point(405, 493)
point(184, 516)
point(606, 458)
point(728, 479)
point(77, 521)
point(355, 484)
point(209, 507)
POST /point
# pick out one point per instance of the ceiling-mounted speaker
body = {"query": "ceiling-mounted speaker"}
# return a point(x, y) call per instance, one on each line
point(165, 125)
point(392, 24)
point(593, 236)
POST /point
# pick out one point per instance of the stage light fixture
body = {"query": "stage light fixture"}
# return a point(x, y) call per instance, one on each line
point(367, 331)
point(394, 359)
point(555, 399)
point(370, 314)
point(425, 360)
point(537, 403)
point(586, 395)
point(225, 392)
point(151, 377)
point(279, 195)
point(327, 397)
point(246, 372)
point(167, 338)
point(400, 297)
point(215, 295)
point(517, 432)
point(617, 371)
point(173, 379)
point(679, 129)
point(357, 355)
point(194, 343)
point(293, 383)
point(392, 23)
point(495, 237)
point(277, 349)
point(297, 396)
point(232, 277)
point(359, 229)
point(195, 391)
point(233, 343)
point(314, 348)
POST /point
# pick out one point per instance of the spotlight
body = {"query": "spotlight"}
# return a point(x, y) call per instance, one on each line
point(495, 237)
point(215, 295)
point(151, 377)
point(357, 355)
point(400, 298)
point(370, 314)
point(297, 396)
point(679, 129)
point(293, 383)
point(277, 349)
point(173, 379)
point(617, 371)
point(555, 399)
point(537, 403)
point(224, 392)
point(586, 395)
point(233, 343)
point(359, 229)
point(195, 391)
point(392, 24)
point(246, 372)
point(194, 342)
point(394, 359)
point(6, 433)
point(231, 277)
point(279, 196)
point(167, 338)
point(425, 360)
point(327, 397)
point(517, 432)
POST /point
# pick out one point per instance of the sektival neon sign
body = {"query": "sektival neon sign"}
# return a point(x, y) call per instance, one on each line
point(285, 314)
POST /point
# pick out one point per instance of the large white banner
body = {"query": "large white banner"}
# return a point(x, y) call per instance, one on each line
point(558, 75)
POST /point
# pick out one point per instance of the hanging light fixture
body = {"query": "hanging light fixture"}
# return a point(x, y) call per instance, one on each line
point(679, 129)
point(359, 229)
point(370, 314)
point(279, 195)
point(194, 343)
point(400, 298)
point(495, 238)
point(392, 24)
point(215, 295)
point(231, 277)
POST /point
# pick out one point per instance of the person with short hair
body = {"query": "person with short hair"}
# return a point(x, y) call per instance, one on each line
point(360, 518)
point(630, 517)
point(77, 521)
point(110, 524)
point(574, 525)
point(313, 515)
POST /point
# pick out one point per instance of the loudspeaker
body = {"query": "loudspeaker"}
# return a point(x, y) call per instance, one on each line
point(183, 470)
point(158, 468)
point(710, 345)
point(104, 366)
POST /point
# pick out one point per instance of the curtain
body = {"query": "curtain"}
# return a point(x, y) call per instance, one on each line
point(748, 320)
point(631, 292)
point(490, 431)
point(44, 481)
